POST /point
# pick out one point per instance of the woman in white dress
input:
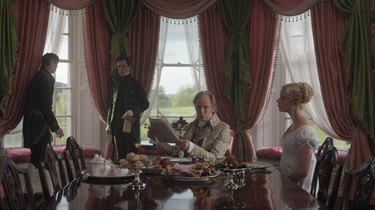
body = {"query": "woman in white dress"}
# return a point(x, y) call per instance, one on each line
point(300, 140)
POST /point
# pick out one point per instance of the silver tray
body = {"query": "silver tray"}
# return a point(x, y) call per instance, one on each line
point(110, 179)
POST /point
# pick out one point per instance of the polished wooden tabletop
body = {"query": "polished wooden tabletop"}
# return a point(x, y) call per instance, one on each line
point(261, 191)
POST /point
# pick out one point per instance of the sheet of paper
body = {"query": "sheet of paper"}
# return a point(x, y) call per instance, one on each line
point(163, 130)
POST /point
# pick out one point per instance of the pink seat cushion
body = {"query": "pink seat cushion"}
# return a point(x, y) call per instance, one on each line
point(270, 153)
point(342, 156)
point(18, 155)
point(22, 155)
point(275, 153)
point(59, 149)
point(90, 151)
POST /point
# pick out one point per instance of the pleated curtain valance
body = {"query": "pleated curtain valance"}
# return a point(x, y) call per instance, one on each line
point(290, 7)
point(71, 4)
point(178, 9)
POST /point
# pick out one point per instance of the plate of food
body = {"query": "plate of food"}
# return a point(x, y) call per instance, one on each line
point(182, 178)
point(198, 172)
point(155, 170)
point(182, 160)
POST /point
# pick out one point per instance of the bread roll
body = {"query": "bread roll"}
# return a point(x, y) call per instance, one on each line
point(130, 155)
point(136, 158)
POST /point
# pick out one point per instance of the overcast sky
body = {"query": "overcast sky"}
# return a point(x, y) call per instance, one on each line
point(172, 79)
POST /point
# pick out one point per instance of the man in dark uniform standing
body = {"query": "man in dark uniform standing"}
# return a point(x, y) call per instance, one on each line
point(39, 120)
point(129, 100)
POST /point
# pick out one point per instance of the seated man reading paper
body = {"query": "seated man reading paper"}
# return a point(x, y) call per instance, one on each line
point(206, 137)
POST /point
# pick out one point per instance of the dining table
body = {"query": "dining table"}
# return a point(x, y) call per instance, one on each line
point(262, 189)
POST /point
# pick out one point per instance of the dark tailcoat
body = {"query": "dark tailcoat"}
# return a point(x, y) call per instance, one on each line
point(127, 94)
point(38, 115)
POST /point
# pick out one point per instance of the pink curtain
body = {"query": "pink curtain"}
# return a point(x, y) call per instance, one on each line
point(98, 58)
point(71, 4)
point(290, 7)
point(213, 53)
point(263, 30)
point(328, 26)
point(143, 38)
point(178, 8)
point(31, 23)
point(264, 37)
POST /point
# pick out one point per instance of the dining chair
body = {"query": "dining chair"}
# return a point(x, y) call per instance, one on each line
point(326, 146)
point(323, 179)
point(51, 172)
point(364, 179)
point(73, 153)
point(15, 198)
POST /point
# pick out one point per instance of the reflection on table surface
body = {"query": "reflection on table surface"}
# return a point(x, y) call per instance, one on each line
point(262, 191)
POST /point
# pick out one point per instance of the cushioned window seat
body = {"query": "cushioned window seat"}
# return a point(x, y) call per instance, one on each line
point(22, 155)
point(274, 154)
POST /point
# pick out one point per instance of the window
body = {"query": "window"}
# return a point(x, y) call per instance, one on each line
point(71, 100)
point(59, 40)
point(297, 63)
point(179, 71)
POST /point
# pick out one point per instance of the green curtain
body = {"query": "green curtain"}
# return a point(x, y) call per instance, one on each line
point(356, 48)
point(120, 15)
point(235, 16)
point(8, 46)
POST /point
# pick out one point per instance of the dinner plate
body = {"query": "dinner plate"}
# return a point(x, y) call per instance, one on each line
point(152, 171)
point(183, 160)
point(258, 165)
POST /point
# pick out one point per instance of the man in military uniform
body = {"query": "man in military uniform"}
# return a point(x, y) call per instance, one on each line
point(129, 100)
point(39, 119)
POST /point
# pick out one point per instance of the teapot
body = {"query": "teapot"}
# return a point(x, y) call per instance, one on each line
point(99, 166)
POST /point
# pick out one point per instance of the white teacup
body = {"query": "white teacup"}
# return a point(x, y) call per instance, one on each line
point(119, 171)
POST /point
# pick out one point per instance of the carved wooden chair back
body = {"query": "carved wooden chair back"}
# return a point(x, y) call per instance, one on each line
point(53, 164)
point(364, 178)
point(327, 145)
point(15, 197)
point(327, 161)
point(73, 152)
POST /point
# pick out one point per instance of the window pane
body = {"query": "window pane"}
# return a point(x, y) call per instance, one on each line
point(63, 102)
point(178, 84)
point(62, 75)
point(171, 84)
point(65, 124)
point(176, 48)
point(64, 50)
point(179, 93)
point(178, 111)
point(66, 24)
point(13, 140)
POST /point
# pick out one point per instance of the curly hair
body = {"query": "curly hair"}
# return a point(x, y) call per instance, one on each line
point(302, 92)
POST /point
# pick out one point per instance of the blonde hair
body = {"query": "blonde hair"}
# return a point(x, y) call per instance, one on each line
point(300, 92)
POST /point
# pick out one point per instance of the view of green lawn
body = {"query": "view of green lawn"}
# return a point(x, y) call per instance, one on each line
point(339, 144)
